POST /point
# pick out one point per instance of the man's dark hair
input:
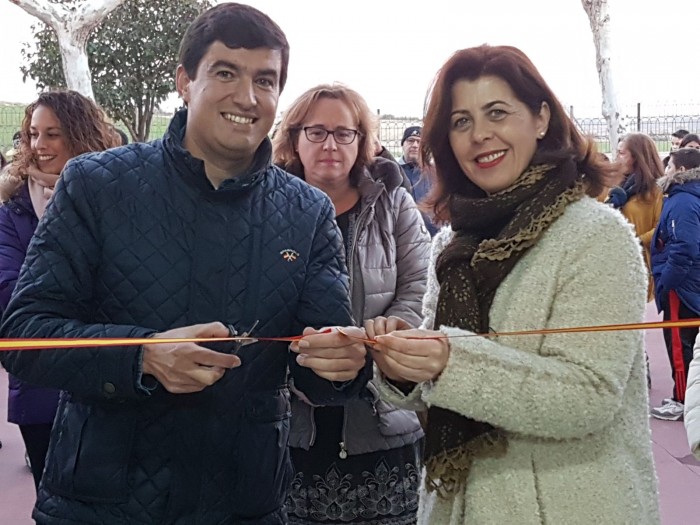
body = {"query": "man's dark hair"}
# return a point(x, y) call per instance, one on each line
point(680, 133)
point(236, 26)
point(123, 137)
point(687, 158)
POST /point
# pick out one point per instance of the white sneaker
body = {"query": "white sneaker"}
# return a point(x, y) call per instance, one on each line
point(670, 411)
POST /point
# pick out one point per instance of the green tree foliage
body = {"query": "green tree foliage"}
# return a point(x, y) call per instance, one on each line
point(132, 54)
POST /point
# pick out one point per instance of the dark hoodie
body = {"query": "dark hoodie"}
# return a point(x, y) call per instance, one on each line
point(675, 247)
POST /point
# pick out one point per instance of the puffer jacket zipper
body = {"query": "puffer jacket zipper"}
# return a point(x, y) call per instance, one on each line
point(354, 228)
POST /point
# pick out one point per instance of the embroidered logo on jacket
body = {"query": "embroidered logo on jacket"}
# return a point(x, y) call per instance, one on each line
point(289, 255)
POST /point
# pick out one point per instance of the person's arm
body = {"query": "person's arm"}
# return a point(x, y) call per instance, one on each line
point(575, 383)
point(412, 257)
point(324, 301)
point(682, 245)
point(12, 253)
point(54, 299)
point(692, 402)
point(646, 237)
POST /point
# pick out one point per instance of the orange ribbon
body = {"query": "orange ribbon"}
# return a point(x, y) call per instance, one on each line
point(685, 323)
point(46, 344)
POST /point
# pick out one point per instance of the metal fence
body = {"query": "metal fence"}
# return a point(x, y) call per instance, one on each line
point(658, 125)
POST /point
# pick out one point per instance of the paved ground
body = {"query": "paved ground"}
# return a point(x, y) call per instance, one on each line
point(679, 472)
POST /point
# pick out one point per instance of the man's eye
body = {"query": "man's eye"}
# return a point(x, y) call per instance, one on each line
point(266, 82)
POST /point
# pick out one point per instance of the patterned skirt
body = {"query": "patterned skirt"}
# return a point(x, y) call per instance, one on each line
point(378, 488)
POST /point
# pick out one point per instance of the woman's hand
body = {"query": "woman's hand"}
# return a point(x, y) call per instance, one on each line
point(410, 355)
point(10, 182)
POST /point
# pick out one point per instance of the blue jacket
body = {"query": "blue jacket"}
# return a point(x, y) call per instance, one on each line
point(420, 187)
point(134, 241)
point(26, 404)
point(675, 247)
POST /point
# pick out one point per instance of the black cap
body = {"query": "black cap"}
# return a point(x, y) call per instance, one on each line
point(411, 131)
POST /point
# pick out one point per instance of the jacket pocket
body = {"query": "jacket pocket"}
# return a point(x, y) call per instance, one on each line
point(89, 453)
point(263, 456)
point(395, 421)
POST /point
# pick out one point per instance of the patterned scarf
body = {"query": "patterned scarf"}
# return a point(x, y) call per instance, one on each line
point(491, 235)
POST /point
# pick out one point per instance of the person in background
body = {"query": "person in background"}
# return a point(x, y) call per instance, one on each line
point(692, 402)
point(691, 140)
point(58, 126)
point(196, 235)
point(675, 262)
point(381, 151)
point(123, 137)
point(411, 164)
point(516, 425)
point(639, 197)
point(677, 137)
point(368, 447)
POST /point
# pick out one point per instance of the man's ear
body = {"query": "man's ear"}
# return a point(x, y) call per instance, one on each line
point(182, 83)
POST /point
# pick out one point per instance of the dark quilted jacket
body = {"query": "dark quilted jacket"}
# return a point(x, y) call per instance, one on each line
point(134, 241)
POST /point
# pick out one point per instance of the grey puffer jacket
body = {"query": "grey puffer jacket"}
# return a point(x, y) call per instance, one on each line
point(389, 249)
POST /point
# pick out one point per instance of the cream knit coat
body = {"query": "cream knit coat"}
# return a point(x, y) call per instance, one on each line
point(574, 406)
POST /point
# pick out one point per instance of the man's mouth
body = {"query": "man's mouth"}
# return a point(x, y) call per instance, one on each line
point(238, 119)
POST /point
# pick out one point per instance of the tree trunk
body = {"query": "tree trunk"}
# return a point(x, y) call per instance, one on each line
point(72, 24)
point(599, 19)
point(76, 70)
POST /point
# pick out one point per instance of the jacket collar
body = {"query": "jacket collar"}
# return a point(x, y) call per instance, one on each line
point(192, 168)
point(382, 175)
point(680, 177)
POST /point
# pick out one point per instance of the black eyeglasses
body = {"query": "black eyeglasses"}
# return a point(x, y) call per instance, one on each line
point(341, 135)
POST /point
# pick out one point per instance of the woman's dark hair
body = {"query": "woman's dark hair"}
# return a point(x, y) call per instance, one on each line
point(287, 133)
point(83, 125)
point(690, 137)
point(648, 166)
point(236, 26)
point(562, 140)
point(3, 160)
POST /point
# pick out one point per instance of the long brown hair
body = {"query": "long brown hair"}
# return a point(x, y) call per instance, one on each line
point(647, 167)
point(508, 63)
point(82, 122)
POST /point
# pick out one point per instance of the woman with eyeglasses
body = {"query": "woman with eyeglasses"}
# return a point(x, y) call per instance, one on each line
point(359, 463)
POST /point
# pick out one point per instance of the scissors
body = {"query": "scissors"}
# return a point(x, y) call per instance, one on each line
point(247, 341)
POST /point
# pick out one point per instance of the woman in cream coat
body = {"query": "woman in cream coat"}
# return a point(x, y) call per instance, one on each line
point(692, 402)
point(527, 429)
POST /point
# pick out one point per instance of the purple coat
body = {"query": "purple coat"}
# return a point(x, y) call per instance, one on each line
point(26, 404)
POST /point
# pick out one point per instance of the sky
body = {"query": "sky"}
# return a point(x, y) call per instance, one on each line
point(390, 50)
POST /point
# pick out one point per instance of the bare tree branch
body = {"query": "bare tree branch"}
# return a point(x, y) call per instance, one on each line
point(44, 11)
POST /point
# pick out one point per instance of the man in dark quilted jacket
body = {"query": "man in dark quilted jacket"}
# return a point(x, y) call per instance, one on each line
point(182, 237)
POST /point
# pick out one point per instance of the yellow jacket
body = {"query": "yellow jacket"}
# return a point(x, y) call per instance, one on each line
point(644, 215)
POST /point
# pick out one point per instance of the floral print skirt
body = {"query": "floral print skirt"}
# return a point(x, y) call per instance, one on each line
point(375, 488)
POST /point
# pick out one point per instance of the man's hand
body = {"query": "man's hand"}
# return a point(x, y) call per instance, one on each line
point(183, 368)
point(333, 356)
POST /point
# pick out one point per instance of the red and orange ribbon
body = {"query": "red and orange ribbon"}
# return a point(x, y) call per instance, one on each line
point(49, 343)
